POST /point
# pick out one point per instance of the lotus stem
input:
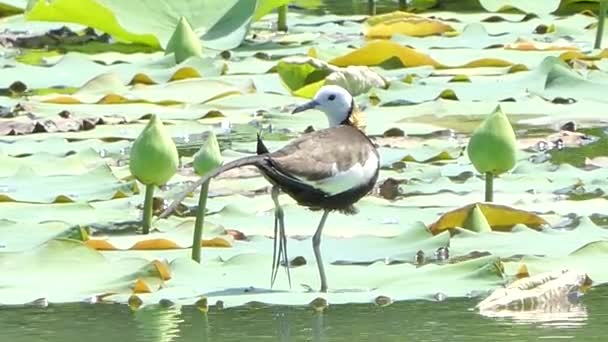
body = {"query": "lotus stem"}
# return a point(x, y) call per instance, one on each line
point(148, 202)
point(402, 4)
point(489, 187)
point(371, 7)
point(282, 22)
point(199, 223)
point(600, 23)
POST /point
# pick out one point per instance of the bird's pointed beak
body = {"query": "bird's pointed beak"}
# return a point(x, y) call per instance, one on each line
point(305, 106)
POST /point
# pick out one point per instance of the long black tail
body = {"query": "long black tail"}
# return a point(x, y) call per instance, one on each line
point(253, 160)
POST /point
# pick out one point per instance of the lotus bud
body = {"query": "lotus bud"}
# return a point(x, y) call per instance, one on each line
point(206, 159)
point(476, 221)
point(184, 43)
point(154, 158)
point(153, 161)
point(208, 156)
point(493, 146)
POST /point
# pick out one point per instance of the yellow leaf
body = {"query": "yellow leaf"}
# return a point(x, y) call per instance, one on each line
point(155, 244)
point(570, 55)
point(113, 99)
point(485, 62)
point(100, 245)
point(386, 25)
point(141, 286)
point(499, 217)
point(376, 52)
point(164, 272)
point(184, 73)
point(216, 242)
point(140, 78)
point(379, 51)
point(460, 78)
point(62, 100)
point(308, 91)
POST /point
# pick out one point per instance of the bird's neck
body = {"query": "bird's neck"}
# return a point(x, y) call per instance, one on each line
point(354, 118)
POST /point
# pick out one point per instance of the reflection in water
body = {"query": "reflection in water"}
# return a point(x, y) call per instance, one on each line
point(450, 320)
point(156, 324)
point(574, 315)
point(317, 327)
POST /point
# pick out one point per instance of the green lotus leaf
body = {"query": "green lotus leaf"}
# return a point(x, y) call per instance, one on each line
point(223, 24)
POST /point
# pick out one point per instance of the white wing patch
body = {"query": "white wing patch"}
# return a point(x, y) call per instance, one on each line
point(345, 180)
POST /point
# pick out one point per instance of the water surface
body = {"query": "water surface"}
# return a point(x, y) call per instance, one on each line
point(450, 320)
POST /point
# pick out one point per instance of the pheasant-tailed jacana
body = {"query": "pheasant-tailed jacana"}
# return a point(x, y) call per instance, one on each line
point(326, 170)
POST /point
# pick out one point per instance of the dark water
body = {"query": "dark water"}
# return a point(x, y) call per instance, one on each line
point(451, 320)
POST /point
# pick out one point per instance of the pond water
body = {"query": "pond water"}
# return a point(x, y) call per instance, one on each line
point(450, 320)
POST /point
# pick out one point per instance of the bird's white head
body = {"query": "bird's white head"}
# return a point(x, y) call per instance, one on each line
point(336, 102)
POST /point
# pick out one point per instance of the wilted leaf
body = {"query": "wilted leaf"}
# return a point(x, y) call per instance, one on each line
point(305, 75)
point(545, 292)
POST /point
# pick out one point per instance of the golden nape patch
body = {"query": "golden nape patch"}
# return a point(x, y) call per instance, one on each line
point(357, 119)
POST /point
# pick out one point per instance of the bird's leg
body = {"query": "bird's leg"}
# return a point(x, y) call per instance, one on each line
point(316, 244)
point(280, 239)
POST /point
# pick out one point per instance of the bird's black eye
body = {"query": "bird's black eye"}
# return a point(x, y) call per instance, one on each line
point(331, 97)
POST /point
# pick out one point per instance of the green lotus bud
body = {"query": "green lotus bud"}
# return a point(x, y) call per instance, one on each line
point(184, 43)
point(154, 158)
point(476, 221)
point(208, 156)
point(493, 147)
